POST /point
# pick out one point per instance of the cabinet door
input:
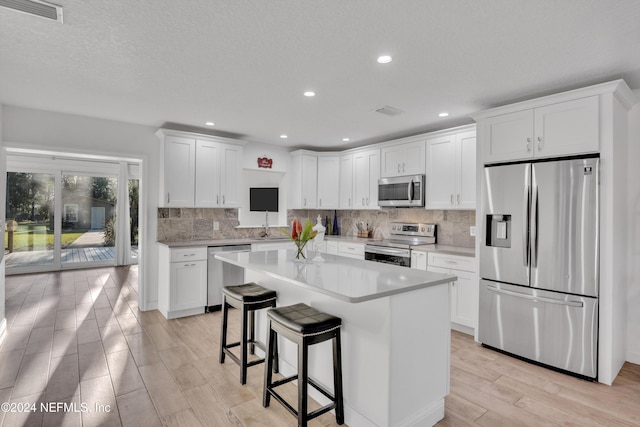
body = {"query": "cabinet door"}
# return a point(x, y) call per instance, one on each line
point(466, 170)
point(188, 285)
point(231, 176)
point(464, 309)
point(374, 176)
point(567, 128)
point(391, 161)
point(328, 182)
point(419, 260)
point(346, 182)
point(441, 173)
point(309, 181)
point(207, 182)
point(179, 171)
point(508, 137)
point(413, 158)
point(361, 180)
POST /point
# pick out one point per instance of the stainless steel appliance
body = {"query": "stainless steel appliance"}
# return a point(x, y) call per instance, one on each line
point(539, 262)
point(221, 274)
point(401, 191)
point(397, 249)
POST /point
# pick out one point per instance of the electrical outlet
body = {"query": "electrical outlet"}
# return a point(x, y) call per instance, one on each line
point(216, 226)
point(472, 230)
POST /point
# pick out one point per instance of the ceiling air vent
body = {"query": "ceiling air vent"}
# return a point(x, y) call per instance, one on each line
point(389, 111)
point(35, 7)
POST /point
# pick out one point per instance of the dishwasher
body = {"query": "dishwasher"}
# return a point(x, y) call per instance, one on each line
point(220, 274)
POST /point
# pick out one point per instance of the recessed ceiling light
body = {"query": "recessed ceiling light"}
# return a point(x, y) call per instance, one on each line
point(309, 93)
point(283, 136)
point(443, 114)
point(384, 59)
point(345, 140)
point(210, 124)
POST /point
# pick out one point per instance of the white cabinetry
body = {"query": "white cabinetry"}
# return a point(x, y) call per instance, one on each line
point(563, 128)
point(464, 291)
point(218, 175)
point(182, 281)
point(451, 170)
point(403, 159)
point(328, 182)
point(419, 260)
point(199, 171)
point(366, 172)
point(332, 247)
point(346, 181)
point(304, 180)
point(351, 250)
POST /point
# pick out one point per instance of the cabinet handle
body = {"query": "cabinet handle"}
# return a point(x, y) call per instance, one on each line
point(367, 201)
point(320, 202)
point(540, 143)
point(190, 265)
point(217, 199)
point(223, 202)
point(403, 167)
point(349, 202)
point(451, 199)
point(528, 145)
point(458, 197)
point(363, 201)
point(304, 203)
point(398, 167)
point(168, 197)
point(189, 254)
point(451, 262)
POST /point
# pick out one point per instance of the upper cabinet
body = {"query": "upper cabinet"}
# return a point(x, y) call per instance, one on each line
point(559, 129)
point(199, 171)
point(401, 159)
point(366, 172)
point(304, 180)
point(328, 182)
point(346, 181)
point(451, 169)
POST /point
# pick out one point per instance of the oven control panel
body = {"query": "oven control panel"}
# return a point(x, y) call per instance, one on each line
point(412, 229)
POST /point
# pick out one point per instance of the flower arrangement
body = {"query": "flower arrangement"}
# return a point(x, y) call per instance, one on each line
point(300, 235)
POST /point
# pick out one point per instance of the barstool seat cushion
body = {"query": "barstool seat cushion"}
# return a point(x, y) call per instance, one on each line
point(303, 319)
point(249, 293)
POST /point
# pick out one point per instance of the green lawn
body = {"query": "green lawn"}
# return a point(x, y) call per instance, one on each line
point(29, 237)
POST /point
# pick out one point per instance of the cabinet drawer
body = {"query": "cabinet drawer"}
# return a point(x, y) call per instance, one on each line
point(189, 254)
point(453, 262)
point(351, 249)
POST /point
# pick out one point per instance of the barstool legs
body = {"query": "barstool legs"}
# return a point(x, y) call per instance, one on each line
point(337, 379)
point(223, 332)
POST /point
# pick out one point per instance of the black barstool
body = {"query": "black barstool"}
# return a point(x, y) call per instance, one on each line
point(305, 326)
point(248, 298)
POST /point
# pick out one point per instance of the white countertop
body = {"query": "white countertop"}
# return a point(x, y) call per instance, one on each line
point(346, 279)
point(250, 240)
point(446, 249)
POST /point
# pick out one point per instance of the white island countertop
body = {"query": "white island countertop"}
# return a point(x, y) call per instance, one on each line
point(346, 279)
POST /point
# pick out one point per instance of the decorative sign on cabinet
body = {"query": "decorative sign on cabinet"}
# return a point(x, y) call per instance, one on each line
point(451, 170)
point(199, 170)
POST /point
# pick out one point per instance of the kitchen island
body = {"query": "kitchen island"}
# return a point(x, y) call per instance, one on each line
point(395, 334)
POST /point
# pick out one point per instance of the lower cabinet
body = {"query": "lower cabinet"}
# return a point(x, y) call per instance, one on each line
point(182, 281)
point(351, 250)
point(332, 247)
point(464, 291)
point(419, 260)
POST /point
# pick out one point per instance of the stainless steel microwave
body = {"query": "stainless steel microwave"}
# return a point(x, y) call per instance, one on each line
point(401, 191)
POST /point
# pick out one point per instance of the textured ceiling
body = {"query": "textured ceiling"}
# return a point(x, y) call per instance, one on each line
point(245, 64)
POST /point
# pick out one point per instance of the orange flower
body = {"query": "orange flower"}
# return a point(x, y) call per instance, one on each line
point(296, 229)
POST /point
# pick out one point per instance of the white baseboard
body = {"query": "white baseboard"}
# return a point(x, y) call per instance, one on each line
point(148, 306)
point(427, 417)
point(633, 357)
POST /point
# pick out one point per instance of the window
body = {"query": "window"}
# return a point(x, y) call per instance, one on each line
point(70, 212)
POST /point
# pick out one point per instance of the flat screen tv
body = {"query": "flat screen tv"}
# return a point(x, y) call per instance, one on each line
point(263, 199)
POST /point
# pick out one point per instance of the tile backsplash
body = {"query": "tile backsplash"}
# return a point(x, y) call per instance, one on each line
point(180, 224)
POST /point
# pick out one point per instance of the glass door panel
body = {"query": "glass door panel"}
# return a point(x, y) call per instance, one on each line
point(88, 219)
point(134, 194)
point(29, 237)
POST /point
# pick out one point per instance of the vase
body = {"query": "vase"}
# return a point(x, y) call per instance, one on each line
point(301, 253)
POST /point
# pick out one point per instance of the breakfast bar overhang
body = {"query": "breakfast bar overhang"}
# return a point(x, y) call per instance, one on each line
point(395, 334)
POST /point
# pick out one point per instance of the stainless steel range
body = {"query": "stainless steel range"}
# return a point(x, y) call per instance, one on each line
point(397, 249)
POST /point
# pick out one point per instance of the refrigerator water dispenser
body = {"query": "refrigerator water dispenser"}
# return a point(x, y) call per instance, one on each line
point(499, 231)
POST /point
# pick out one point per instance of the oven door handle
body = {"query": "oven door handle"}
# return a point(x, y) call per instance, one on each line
point(388, 251)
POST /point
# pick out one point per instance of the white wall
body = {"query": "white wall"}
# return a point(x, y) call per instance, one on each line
point(633, 187)
point(46, 130)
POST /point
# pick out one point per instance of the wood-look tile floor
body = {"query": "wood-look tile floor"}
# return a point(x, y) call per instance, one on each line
point(78, 338)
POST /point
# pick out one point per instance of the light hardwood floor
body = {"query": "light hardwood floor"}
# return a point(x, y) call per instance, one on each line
point(78, 337)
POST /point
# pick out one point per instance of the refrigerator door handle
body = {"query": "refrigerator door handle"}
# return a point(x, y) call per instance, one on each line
point(526, 205)
point(535, 298)
point(534, 227)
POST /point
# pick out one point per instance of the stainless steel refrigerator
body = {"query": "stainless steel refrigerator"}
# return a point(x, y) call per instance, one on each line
point(539, 262)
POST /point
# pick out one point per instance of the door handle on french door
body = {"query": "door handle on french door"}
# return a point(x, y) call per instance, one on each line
point(535, 298)
point(526, 206)
point(534, 227)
